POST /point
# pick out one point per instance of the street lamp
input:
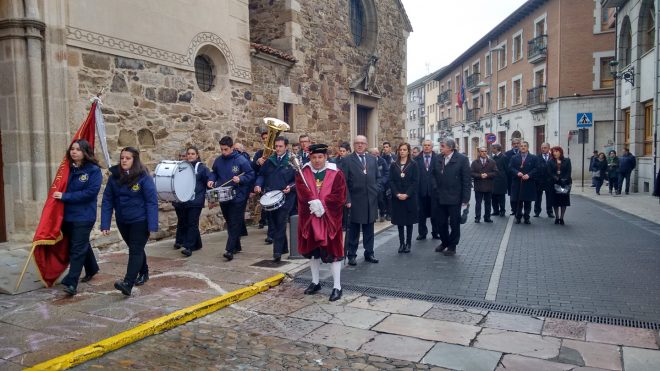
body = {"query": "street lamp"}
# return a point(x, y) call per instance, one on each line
point(627, 75)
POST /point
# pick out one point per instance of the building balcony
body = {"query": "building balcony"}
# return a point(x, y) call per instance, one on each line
point(443, 124)
point(537, 99)
point(472, 82)
point(472, 114)
point(421, 120)
point(537, 49)
point(444, 97)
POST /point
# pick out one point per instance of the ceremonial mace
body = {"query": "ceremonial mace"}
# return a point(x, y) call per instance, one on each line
point(295, 163)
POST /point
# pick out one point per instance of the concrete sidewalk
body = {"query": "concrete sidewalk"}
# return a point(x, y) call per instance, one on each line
point(642, 205)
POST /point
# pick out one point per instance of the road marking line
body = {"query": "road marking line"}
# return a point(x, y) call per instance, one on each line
point(494, 283)
point(156, 326)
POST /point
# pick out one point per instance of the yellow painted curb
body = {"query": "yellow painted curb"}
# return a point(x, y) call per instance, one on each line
point(156, 326)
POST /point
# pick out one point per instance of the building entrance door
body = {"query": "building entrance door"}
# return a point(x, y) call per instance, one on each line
point(539, 138)
point(363, 120)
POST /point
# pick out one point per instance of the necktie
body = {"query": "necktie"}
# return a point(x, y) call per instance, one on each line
point(279, 159)
point(483, 162)
point(427, 160)
point(545, 157)
point(362, 160)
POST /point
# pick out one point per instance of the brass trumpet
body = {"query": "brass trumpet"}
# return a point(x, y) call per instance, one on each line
point(275, 127)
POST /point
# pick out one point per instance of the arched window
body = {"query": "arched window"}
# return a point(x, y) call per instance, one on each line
point(357, 21)
point(364, 24)
point(625, 46)
point(646, 27)
point(204, 72)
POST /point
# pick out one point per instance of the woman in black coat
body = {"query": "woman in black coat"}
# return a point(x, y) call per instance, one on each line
point(600, 169)
point(404, 179)
point(559, 169)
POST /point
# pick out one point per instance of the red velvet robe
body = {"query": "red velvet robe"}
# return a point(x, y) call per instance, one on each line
point(321, 237)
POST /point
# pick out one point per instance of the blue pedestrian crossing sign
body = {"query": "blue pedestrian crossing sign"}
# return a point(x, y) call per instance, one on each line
point(585, 120)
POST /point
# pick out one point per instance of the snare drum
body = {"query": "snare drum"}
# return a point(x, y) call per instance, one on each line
point(220, 194)
point(272, 200)
point(175, 181)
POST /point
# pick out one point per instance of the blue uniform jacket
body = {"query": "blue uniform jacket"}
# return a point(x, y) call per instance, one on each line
point(82, 191)
point(131, 202)
point(202, 175)
point(384, 168)
point(275, 177)
point(225, 168)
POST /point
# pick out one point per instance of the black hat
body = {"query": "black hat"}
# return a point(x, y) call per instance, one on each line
point(318, 148)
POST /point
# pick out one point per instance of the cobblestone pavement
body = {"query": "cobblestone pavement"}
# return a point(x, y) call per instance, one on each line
point(603, 262)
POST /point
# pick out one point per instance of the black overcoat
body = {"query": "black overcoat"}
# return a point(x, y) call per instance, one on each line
point(452, 182)
point(404, 212)
point(362, 188)
point(523, 190)
point(490, 168)
point(425, 184)
point(543, 181)
point(501, 181)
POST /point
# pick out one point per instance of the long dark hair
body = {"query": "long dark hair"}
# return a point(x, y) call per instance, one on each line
point(409, 157)
point(136, 171)
point(194, 148)
point(88, 152)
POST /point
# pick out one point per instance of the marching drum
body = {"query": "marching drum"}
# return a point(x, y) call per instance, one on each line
point(220, 194)
point(175, 181)
point(272, 200)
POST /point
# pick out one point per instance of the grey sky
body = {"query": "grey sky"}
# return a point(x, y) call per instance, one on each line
point(444, 29)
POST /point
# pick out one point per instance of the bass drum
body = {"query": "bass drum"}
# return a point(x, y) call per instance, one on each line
point(175, 181)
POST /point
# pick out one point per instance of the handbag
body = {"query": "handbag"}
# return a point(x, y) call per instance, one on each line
point(562, 190)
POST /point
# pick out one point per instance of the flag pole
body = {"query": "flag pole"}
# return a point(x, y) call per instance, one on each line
point(20, 278)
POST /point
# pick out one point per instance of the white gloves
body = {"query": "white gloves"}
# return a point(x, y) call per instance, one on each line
point(316, 208)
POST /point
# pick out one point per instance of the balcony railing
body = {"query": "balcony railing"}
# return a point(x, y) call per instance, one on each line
point(443, 124)
point(537, 99)
point(537, 49)
point(472, 114)
point(444, 97)
point(472, 82)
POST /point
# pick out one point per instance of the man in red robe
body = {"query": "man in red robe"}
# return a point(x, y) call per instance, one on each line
point(321, 194)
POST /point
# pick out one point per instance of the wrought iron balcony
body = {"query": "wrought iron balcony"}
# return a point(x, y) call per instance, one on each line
point(472, 114)
point(444, 97)
point(443, 124)
point(537, 99)
point(472, 82)
point(537, 49)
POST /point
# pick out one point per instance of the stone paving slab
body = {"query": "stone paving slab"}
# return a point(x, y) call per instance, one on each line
point(564, 329)
point(341, 315)
point(280, 326)
point(428, 329)
point(9, 366)
point(280, 306)
point(634, 337)
point(463, 317)
point(518, 343)
point(462, 358)
point(399, 347)
point(595, 355)
point(636, 359)
point(392, 305)
point(513, 322)
point(340, 336)
point(513, 362)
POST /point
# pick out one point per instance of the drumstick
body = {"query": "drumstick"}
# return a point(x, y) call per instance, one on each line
point(227, 182)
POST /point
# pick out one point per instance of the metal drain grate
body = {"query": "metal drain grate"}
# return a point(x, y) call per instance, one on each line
point(617, 321)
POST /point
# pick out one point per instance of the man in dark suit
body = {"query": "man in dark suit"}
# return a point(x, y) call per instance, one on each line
point(452, 184)
point(515, 144)
point(385, 197)
point(484, 171)
point(523, 168)
point(544, 183)
point(425, 162)
point(383, 184)
point(362, 178)
point(305, 142)
point(501, 181)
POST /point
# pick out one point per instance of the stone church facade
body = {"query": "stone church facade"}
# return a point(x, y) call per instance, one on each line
point(178, 73)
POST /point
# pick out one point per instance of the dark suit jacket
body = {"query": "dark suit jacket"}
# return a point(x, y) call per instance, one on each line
point(452, 182)
point(523, 190)
point(404, 212)
point(490, 168)
point(362, 188)
point(543, 180)
point(425, 185)
point(501, 182)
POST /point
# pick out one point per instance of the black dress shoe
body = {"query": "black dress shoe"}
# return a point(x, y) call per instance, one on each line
point(70, 290)
point(351, 261)
point(561, 221)
point(313, 288)
point(238, 250)
point(477, 221)
point(449, 252)
point(228, 255)
point(527, 221)
point(488, 220)
point(517, 221)
point(277, 258)
point(556, 221)
point(371, 259)
point(335, 295)
point(440, 248)
point(420, 238)
point(88, 277)
point(177, 246)
point(142, 279)
point(406, 249)
point(402, 247)
point(124, 287)
point(537, 215)
point(436, 237)
point(269, 240)
point(186, 252)
point(502, 213)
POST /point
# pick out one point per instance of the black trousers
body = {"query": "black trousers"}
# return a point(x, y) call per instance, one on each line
point(486, 198)
point(277, 220)
point(407, 238)
point(178, 239)
point(234, 214)
point(539, 198)
point(187, 227)
point(80, 251)
point(426, 211)
point(384, 203)
point(614, 183)
point(135, 235)
point(499, 203)
point(624, 177)
point(449, 217)
point(354, 238)
point(524, 208)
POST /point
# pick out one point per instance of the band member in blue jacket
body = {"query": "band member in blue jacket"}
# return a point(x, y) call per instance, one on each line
point(79, 200)
point(231, 167)
point(188, 212)
point(276, 174)
point(131, 193)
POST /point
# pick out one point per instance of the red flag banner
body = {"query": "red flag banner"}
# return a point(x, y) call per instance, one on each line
point(50, 247)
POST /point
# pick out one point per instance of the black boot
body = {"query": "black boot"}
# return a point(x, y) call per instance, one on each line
point(142, 279)
point(124, 287)
point(402, 248)
point(407, 248)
